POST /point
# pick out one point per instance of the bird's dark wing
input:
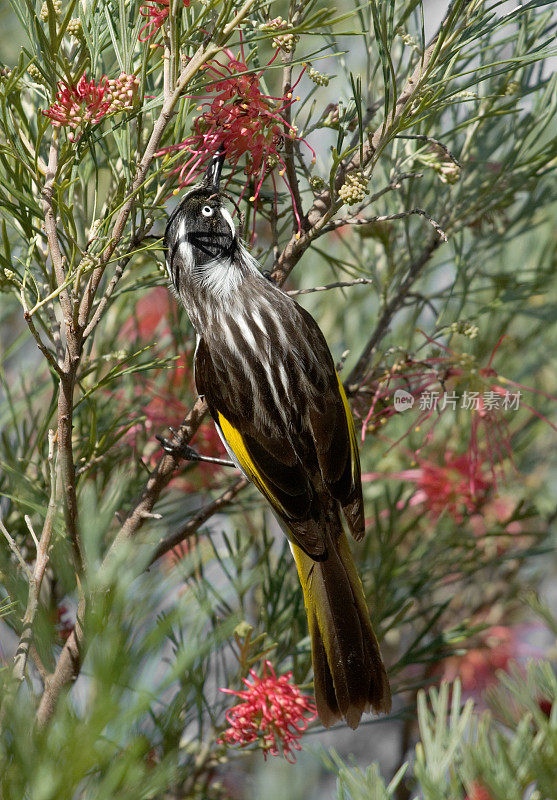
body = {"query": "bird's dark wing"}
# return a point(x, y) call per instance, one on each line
point(334, 435)
point(301, 451)
point(266, 458)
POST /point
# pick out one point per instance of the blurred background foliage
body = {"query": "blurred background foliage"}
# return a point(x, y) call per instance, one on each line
point(460, 503)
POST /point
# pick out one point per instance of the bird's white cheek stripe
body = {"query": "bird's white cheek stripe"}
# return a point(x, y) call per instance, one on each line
point(186, 250)
point(226, 214)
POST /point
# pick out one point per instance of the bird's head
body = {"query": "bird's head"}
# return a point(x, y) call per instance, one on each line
point(201, 229)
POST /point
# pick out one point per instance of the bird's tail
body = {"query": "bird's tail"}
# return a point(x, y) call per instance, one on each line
point(349, 676)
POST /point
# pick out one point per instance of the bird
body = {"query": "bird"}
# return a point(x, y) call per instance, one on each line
point(269, 380)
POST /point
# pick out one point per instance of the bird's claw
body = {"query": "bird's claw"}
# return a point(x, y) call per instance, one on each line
point(177, 449)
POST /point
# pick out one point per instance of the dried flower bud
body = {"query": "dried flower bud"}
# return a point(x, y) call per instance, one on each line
point(57, 5)
point(316, 183)
point(74, 28)
point(286, 42)
point(465, 328)
point(513, 87)
point(409, 41)
point(271, 162)
point(449, 172)
point(354, 189)
point(276, 24)
point(331, 116)
point(34, 73)
point(318, 77)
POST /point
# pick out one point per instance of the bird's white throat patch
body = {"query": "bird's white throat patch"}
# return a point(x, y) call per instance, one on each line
point(220, 277)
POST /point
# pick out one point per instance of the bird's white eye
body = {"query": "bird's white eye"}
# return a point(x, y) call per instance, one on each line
point(207, 211)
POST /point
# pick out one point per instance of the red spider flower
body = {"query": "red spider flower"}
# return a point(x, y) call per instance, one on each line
point(272, 709)
point(451, 380)
point(478, 792)
point(237, 115)
point(65, 621)
point(545, 706)
point(458, 485)
point(150, 317)
point(155, 13)
point(478, 667)
point(88, 102)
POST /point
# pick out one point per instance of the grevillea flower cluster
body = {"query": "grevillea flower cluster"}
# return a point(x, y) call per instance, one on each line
point(460, 483)
point(431, 384)
point(155, 13)
point(477, 669)
point(88, 102)
point(237, 115)
point(457, 486)
point(273, 711)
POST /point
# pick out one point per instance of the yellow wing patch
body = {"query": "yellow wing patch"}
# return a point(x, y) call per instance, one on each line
point(236, 444)
point(352, 433)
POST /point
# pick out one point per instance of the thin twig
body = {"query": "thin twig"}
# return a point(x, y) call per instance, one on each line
point(55, 329)
point(422, 138)
point(288, 144)
point(395, 183)
point(193, 524)
point(54, 244)
point(31, 530)
point(355, 378)
point(67, 466)
point(36, 577)
point(37, 660)
point(339, 223)
point(107, 294)
point(160, 477)
point(324, 206)
point(337, 285)
point(36, 336)
point(67, 668)
point(16, 551)
point(69, 661)
point(67, 371)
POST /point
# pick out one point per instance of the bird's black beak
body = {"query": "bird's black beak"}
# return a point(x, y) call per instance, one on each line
point(213, 171)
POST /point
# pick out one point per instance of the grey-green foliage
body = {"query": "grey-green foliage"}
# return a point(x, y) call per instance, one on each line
point(354, 783)
point(143, 718)
point(138, 721)
point(462, 752)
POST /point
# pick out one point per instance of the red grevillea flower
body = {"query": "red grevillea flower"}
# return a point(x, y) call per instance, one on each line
point(478, 792)
point(65, 621)
point(460, 484)
point(478, 667)
point(237, 115)
point(88, 102)
point(545, 706)
point(272, 710)
point(155, 12)
point(451, 380)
